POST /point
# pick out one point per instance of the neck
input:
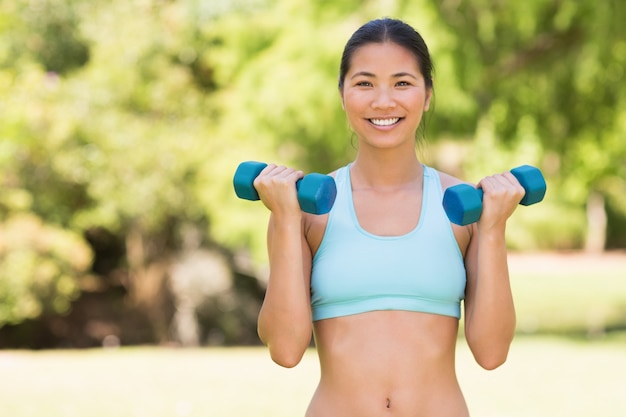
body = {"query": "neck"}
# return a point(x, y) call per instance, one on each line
point(389, 169)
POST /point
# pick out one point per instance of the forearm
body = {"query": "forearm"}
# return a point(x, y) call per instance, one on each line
point(284, 322)
point(490, 322)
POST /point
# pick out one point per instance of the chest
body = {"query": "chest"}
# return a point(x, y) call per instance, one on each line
point(355, 271)
point(387, 213)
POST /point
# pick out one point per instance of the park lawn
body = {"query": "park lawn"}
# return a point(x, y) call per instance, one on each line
point(569, 293)
point(543, 377)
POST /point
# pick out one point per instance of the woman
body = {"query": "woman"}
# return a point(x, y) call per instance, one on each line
point(379, 280)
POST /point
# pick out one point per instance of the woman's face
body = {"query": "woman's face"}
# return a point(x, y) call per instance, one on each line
point(384, 95)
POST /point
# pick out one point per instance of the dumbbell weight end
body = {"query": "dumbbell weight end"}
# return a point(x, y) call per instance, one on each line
point(463, 204)
point(316, 193)
point(244, 177)
point(533, 182)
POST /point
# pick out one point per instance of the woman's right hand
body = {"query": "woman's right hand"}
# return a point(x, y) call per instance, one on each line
point(276, 186)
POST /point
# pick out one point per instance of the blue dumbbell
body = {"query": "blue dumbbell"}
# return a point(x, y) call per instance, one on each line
point(316, 192)
point(464, 204)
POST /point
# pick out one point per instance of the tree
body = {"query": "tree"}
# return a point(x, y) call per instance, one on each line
point(123, 123)
point(545, 74)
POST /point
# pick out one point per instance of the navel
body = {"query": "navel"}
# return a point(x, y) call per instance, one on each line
point(388, 403)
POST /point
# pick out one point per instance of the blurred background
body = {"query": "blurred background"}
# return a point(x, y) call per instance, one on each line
point(122, 122)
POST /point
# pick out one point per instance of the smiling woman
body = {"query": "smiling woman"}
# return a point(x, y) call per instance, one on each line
point(384, 96)
point(380, 280)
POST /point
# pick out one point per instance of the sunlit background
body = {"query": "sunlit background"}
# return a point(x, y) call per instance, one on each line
point(122, 123)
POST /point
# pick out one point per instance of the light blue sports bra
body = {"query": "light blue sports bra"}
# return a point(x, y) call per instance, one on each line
point(355, 271)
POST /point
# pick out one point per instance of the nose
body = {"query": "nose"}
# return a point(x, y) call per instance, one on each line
point(384, 99)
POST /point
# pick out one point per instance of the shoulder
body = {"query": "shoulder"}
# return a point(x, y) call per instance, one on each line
point(463, 234)
point(314, 226)
point(448, 180)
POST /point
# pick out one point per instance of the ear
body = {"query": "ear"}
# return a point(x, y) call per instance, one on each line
point(429, 95)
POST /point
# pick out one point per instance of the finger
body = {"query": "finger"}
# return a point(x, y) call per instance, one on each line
point(486, 184)
point(285, 172)
point(506, 179)
point(277, 175)
point(504, 182)
point(267, 171)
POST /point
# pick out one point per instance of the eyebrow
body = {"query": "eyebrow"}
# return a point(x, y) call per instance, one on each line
point(369, 74)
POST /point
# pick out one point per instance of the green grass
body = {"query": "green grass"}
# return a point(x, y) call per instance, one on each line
point(543, 377)
point(549, 377)
point(569, 293)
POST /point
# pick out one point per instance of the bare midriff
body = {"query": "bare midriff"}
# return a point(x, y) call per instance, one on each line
point(387, 363)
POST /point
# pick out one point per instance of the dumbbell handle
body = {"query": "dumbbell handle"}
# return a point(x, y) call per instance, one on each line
point(463, 203)
point(316, 192)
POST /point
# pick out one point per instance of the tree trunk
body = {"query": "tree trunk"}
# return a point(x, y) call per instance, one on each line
point(596, 223)
point(147, 280)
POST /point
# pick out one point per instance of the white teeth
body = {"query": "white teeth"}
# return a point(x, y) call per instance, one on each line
point(385, 122)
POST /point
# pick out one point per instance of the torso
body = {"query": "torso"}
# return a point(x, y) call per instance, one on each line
point(395, 363)
point(398, 363)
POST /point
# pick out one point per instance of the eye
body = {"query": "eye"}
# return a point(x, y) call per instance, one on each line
point(363, 84)
point(403, 83)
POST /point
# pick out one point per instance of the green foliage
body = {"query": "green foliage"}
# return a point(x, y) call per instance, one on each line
point(546, 74)
point(45, 31)
point(40, 270)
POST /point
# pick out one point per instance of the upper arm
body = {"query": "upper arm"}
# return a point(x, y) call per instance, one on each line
point(307, 258)
point(466, 237)
point(471, 267)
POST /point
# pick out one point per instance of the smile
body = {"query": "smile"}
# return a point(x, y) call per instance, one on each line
point(385, 122)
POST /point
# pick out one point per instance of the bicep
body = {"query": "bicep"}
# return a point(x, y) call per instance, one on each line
point(306, 254)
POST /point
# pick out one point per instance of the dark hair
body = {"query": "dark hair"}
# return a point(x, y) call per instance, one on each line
point(388, 30)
